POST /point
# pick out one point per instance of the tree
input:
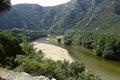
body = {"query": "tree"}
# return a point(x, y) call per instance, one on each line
point(4, 5)
point(9, 48)
point(27, 47)
point(77, 67)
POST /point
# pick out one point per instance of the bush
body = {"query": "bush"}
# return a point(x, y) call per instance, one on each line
point(9, 48)
point(58, 39)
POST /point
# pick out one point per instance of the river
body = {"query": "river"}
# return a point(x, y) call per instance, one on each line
point(106, 69)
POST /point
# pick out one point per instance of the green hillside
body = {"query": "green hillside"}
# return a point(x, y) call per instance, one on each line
point(103, 15)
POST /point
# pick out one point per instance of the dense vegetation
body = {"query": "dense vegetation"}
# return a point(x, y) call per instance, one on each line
point(32, 62)
point(9, 48)
point(106, 45)
point(102, 15)
point(4, 5)
point(117, 9)
point(32, 34)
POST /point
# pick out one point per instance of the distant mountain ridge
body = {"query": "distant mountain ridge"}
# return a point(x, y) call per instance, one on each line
point(83, 14)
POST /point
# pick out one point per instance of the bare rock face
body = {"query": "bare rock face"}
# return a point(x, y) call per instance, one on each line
point(11, 75)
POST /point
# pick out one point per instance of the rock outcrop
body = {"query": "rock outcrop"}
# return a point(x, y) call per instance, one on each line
point(12, 75)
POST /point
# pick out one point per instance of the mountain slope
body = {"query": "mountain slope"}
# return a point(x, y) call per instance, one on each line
point(84, 14)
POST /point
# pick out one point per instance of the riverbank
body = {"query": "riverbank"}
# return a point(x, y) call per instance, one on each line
point(106, 69)
point(53, 52)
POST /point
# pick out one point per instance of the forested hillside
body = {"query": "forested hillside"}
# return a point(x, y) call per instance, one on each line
point(103, 15)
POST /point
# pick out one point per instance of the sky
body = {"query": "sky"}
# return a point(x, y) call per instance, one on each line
point(40, 2)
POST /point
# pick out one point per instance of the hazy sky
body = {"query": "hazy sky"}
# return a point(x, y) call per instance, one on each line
point(41, 2)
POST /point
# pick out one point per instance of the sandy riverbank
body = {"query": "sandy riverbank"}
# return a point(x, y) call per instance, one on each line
point(53, 52)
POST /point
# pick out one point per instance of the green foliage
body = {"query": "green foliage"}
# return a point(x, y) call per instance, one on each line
point(58, 39)
point(117, 9)
point(4, 5)
point(9, 48)
point(69, 37)
point(33, 63)
point(104, 44)
point(77, 68)
point(32, 34)
point(101, 15)
point(87, 76)
point(27, 48)
point(58, 70)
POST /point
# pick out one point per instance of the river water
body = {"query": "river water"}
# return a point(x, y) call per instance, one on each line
point(106, 69)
